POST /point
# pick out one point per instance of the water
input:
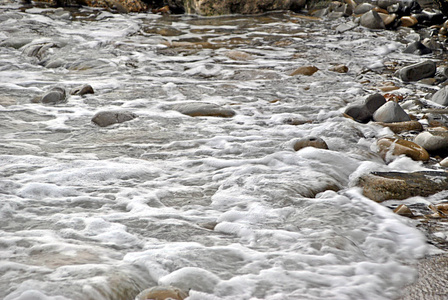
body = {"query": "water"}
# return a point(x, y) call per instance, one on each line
point(222, 206)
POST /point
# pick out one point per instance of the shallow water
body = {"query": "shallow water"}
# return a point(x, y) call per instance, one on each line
point(221, 206)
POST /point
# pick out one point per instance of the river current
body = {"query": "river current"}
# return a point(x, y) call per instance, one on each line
point(223, 207)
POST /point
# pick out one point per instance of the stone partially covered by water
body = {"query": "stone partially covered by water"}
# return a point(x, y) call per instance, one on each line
point(381, 186)
point(107, 118)
point(162, 293)
point(202, 109)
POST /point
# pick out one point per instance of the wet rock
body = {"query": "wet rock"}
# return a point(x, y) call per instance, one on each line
point(124, 6)
point(194, 278)
point(343, 8)
point(390, 112)
point(346, 27)
point(37, 50)
point(433, 141)
point(107, 118)
point(408, 21)
point(404, 211)
point(385, 3)
point(310, 141)
point(162, 293)
point(239, 55)
point(201, 109)
point(417, 48)
point(381, 186)
point(363, 8)
point(305, 70)
point(441, 96)
point(398, 127)
point(418, 71)
point(372, 20)
point(54, 96)
point(388, 19)
point(364, 112)
point(437, 119)
point(82, 90)
point(15, 42)
point(56, 63)
point(339, 69)
point(224, 7)
point(397, 146)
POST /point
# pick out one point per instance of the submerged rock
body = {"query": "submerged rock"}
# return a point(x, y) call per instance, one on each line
point(106, 118)
point(162, 293)
point(310, 141)
point(54, 96)
point(417, 48)
point(398, 146)
point(82, 90)
point(201, 109)
point(305, 70)
point(381, 186)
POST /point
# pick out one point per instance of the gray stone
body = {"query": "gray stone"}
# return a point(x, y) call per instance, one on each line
point(106, 118)
point(390, 112)
point(346, 27)
point(417, 48)
point(381, 186)
point(441, 96)
point(432, 140)
point(54, 96)
point(373, 102)
point(372, 20)
point(56, 63)
point(364, 112)
point(201, 109)
point(385, 3)
point(363, 8)
point(418, 71)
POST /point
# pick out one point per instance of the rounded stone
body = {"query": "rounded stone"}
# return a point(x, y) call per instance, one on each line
point(398, 127)
point(408, 21)
point(390, 112)
point(310, 141)
point(202, 109)
point(106, 118)
point(441, 96)
point(339, 69)
point(418, 71)
point(305, 70)
point(363, 8)
point(432, 140)
point(372, 20)
point(402, 147)
point(54, 96)
point(82, 90)
point(162, 293)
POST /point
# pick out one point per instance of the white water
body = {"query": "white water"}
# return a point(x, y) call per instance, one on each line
point(104, 213)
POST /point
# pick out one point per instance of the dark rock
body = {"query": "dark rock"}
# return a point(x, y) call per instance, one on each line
point(381, 186)
point(417, 48)
point(201, 109)
point(373, 102)
point(390, 112)
point(441, 96)
point(364, 112)
point(82, 90)
point(54, 96)
point(106, 118)
point(418, 71)
point(372, 20)
point(311, 141)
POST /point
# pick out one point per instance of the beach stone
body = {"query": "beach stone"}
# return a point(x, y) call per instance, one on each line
point(444, 162)
point(390, 112)
point(399, 146)
point(202, 109)
point(56, 63)
point(339, 69)
point(381, 186)
point(54, 96)
point(432, 140)
point(226, 7)
point(437, 119)
point(82, 90)
point(441, 96)
point(310, 141)
point(398, 127)
point(239, 55)
point(403, 210)
point(107, 118)
point(124, 6)
point(385, 3)
point(372, 20)
point(364, 112)
point(418, 71)
point(162, 293)
point(363, 8)
point(417, 48)
point(408, 21)
point(305, 70)
point(388, 19)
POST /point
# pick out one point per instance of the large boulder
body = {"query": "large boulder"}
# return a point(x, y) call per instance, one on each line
point(381, 186)
point(225, 7)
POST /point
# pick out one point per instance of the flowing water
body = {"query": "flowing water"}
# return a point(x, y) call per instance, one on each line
point(223, 207)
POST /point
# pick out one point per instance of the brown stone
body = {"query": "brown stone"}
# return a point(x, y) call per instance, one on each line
point(162, 293)
point(311, 141)
point(381, 186)
point(400, 146)
point(239, 55)
point(398, 127)
point(121, 5)
point(339, 69)
point(403, 210)
point(408, 21)
point(305, 70)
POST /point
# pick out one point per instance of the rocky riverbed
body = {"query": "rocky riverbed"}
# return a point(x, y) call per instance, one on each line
point(283, 155)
